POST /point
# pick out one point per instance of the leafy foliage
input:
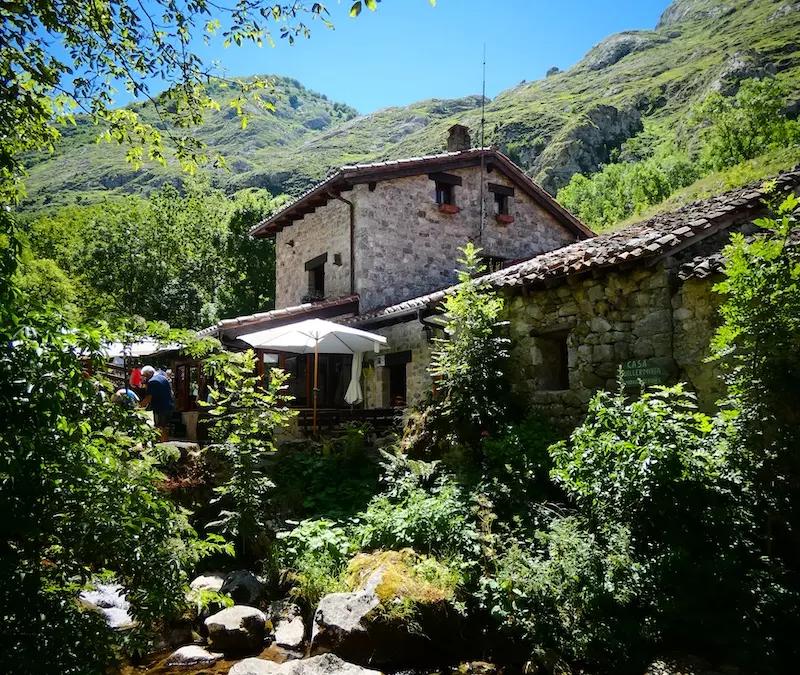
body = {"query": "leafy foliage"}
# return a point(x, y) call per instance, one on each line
point(332, 480)
point(185, 258)
point(317, 552)
point(246, 418)
point(737, 128)
point(423, 508)
point(469, 364)
point(758, 347)
point(627, 189)
point(80, 494)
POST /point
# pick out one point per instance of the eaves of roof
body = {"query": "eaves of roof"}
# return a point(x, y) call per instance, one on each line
point(348, 176)
point(347, 304)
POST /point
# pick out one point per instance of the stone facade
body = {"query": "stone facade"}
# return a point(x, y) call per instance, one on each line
point(643, 314)
point(406, 247)
point(327, 230)
point(407, 336)
point(640, 314)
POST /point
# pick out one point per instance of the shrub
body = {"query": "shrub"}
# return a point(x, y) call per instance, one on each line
point(246, 417)
point(333, 480)
point(423, 509)
point(570, 590)
point(316, 553)
point(516, 471)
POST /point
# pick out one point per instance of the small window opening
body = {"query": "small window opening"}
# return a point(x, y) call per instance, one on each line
point(500, 204)
point(554, 368)
point(444, 193)
point(493, 263)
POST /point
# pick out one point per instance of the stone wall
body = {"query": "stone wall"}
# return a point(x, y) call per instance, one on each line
point(695, 320)
point(401, 337)
point(405, 247)
point(641, 314)
point(327, 230)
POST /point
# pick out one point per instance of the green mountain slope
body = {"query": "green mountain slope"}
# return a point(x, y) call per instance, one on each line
point(568, 122)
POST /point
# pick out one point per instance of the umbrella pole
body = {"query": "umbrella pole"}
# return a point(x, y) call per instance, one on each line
point(316, 380)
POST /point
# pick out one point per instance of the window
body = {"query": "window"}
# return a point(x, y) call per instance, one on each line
point(445, 188)
point(316, 281)
point(316, 277)
point(502, 200)
point(492, 262)
point(444, 193)
point(553, 371)
point(500, 204)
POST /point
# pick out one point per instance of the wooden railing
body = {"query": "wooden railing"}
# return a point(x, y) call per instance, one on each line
point(331, 421)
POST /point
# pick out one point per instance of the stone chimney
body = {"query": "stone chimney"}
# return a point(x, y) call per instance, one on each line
point(458, 139)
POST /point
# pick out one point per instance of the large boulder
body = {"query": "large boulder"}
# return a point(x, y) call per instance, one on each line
point(325, 664)
point(244, 587)
point(192, 655)
point(109, 600)
point(393, 616)
point(237, 629)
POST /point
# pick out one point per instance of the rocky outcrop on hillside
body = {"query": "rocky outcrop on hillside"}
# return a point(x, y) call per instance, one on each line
point(740, 66)
point(684, 10)
point(614, 48)
point(584, 145)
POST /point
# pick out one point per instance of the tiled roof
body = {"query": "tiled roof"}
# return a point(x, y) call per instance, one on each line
point(306, 310)
point(648, 240)
point(351, 174)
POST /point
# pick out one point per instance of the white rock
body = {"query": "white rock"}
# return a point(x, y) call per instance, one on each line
point(210, 581)
point(236, 628)
point(326, 664)
point(255, 667)
point(191, 655)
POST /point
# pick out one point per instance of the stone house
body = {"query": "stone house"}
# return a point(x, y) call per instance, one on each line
point(640, 298)
point(376, 246)
point(387, 232)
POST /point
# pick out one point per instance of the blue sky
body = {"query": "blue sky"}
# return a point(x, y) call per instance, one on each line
point(408, 51)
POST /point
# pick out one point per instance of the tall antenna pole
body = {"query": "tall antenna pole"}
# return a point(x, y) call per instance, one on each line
point(483, 130)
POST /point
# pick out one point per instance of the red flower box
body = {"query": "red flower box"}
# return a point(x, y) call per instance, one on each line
point(504, 218)
point(448, 208)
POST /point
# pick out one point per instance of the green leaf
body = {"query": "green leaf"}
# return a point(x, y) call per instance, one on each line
point(355, 10)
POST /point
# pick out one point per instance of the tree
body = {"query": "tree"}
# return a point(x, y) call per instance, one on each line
point(737, 128)
point(469, 364)
point(181, 257)
point(758, 347)
point(246, 418)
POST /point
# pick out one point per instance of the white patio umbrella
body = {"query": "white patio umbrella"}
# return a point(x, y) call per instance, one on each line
point(318, 336)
